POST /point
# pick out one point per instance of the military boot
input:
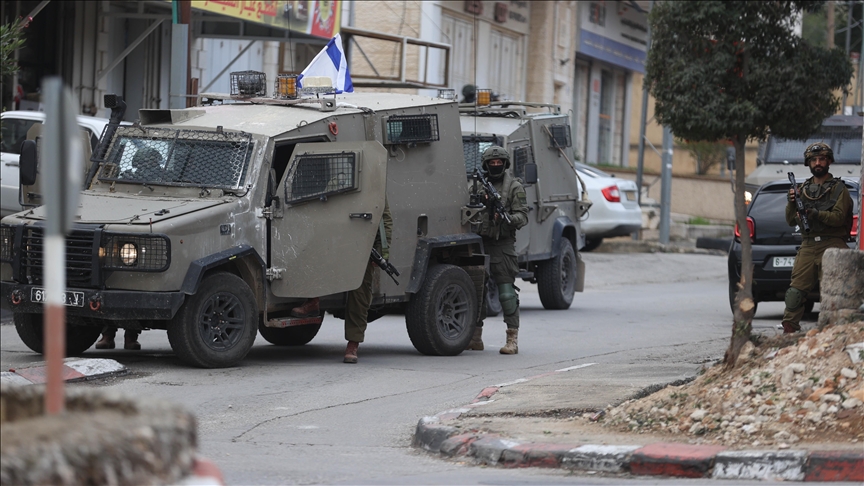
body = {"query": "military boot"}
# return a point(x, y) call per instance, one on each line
point(351, 352)
point(130, 340)
point(790, 328)
point(476, 343)
point(308, 309)
point(107, 341)
point(512, 346)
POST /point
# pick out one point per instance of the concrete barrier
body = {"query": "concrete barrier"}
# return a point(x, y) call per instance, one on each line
point(842, 287)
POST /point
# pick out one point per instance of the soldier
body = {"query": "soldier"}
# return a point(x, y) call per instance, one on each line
point(829, 210)
point(499, 240)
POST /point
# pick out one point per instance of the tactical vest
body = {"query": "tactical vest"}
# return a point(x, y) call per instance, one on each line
point(489, 228)
point(823, 197)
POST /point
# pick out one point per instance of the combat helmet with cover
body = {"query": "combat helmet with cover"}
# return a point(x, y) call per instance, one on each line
point(492, 153)
point(818, 149)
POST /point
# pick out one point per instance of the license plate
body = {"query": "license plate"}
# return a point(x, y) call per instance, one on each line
point(784, 262)
point(630, 195)
point(70, 298)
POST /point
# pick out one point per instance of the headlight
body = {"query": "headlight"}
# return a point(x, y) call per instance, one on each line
point(128, 254)
point(142, 253)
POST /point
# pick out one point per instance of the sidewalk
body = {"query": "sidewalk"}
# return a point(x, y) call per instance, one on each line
point(531, 422)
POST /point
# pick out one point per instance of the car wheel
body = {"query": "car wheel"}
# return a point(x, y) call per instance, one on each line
point(808, 307)
point(289, 336)
point(591, 244)
point(79, 336)
point(493, 304)
point(556, 278)
point(442, 316)
point(215, 327)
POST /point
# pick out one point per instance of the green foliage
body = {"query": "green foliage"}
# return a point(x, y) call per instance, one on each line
point(11, 38)
point(698, 220)
point(706, 154)
point(733, 69)
point(814, 26)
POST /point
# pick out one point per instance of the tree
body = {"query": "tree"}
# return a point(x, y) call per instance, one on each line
point(11, 39)
point(706, 154)
point(726, 70)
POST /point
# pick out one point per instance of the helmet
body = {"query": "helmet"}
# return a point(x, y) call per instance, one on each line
point(496, 152)
point(818, 148)
point(469, 91)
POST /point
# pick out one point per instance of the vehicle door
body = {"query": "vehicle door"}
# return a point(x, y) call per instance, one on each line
point(332, 199)
point(14, 132)
point(30, 195)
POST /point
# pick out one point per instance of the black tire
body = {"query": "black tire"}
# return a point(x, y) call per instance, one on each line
point(441, 317)
point(493, 304)
point(79, 336)
point(215, 327)
point(556, 278)
point(289, 336)
point(808, 307)
point(591, 244)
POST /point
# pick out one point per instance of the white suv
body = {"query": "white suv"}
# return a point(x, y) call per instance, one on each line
point(16, 124)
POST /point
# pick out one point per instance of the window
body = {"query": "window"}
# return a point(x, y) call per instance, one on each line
point(560, 136)
point(473, 148)
point(316, 176)
point(15, 132)
point(521, 157)
point(411, 129)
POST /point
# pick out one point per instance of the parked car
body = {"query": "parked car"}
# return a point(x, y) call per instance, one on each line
point(16, 124)
point(775, 244)
point(615, 210)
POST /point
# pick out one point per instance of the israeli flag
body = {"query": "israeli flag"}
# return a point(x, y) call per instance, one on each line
point(330, 62)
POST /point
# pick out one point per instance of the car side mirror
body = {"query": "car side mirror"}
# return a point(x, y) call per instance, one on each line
point(27, 163)
point(530, 173)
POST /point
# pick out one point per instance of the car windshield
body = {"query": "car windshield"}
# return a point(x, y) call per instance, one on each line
point(591, 171)
point(844, 141)
point(178, 157)
point(473, 147)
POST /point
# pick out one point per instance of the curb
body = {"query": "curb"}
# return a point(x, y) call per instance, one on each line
point(204, 473)
point(74, 369)
point(436, 434)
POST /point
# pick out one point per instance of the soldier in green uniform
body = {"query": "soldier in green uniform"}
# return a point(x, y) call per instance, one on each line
point(499, 240)
point(829, 210)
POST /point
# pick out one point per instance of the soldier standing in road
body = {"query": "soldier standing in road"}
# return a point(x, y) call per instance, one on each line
point(359, 299)
point(829, 209)
point(499, 240)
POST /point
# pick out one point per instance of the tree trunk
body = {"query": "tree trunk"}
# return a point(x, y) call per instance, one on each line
point(744, 306)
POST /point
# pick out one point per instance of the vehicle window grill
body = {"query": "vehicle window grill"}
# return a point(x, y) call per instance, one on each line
point(560, 136)
point(411, 129)
point(79, 257)
point(7, 235)
point(164, 156)
point(473, 148)
point(521, 156)
point(316, 175)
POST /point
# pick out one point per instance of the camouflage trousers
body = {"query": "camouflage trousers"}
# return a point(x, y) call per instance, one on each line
point(807, 272)
point(503, 266)
point(357, 307)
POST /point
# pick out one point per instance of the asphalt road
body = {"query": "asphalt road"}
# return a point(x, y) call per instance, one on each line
point(301, 416)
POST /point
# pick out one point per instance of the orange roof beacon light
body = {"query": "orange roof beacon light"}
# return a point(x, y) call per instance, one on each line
point(484, 97)
point(285, 87)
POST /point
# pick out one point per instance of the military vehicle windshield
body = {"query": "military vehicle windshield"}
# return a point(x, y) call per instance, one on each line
point(178, 157)
point(845, 141)
point(474, 146)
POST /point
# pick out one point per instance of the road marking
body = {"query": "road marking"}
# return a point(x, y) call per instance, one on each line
point(577, 367)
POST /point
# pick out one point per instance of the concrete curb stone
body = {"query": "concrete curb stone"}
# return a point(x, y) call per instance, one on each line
point(658, 459)
point(74, 369)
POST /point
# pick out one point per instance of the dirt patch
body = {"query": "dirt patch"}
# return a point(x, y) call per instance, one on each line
point(785, 390)
point(790, 391)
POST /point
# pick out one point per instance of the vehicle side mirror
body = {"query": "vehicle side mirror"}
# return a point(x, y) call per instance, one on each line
point(27, 163)
point(530, 173)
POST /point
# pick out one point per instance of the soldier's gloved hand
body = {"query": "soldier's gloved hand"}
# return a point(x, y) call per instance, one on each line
point(791, 196)
point(386, 254)
point(812, 214)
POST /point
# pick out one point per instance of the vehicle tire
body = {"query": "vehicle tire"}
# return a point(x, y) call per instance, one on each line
point(442, 316)
point(289, 336)
point(556, 278)
point(808, 307)
point(215, 327)
point(79, 336)
point(493, 304)
point(591, 244)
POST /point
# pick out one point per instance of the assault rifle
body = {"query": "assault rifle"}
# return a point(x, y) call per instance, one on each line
point(799, 204)
point(384, 264)
point(497, 207)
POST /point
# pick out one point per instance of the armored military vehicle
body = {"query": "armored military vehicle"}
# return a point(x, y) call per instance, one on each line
point(538, 138)
point(778, 156)
point(213, 222)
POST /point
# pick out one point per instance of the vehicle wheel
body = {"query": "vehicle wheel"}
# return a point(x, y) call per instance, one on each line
point(592, 243)
point(808, 307)
point(289, 336)
point(493, 304)
point(556, 278)
point(79, 336)
point(216, 326)
point(441, 317)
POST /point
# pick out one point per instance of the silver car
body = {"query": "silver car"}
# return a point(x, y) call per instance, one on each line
point(615, 210)
point(16, 125)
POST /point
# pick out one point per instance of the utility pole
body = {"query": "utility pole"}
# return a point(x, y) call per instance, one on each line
point(666, 186)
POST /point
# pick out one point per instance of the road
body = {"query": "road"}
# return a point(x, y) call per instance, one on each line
point(301, 416)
